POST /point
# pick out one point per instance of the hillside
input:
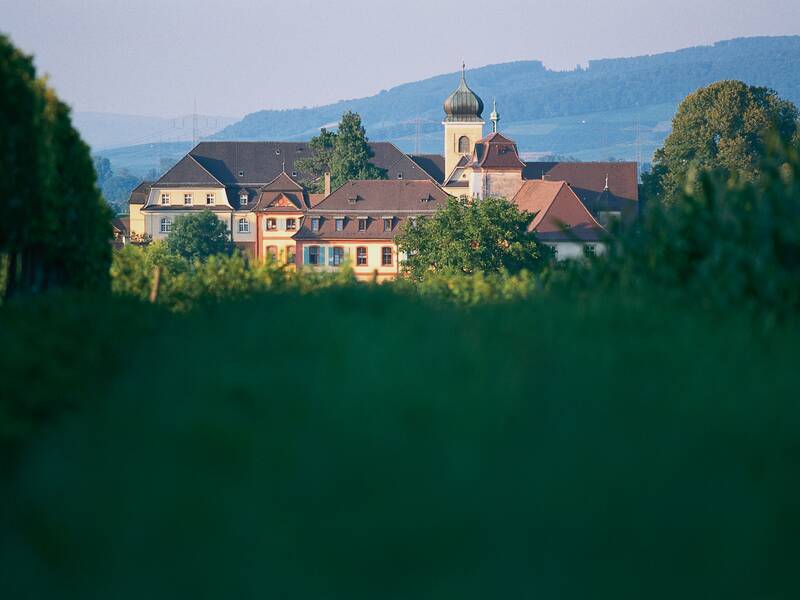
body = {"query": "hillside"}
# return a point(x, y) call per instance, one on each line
point(590, 113)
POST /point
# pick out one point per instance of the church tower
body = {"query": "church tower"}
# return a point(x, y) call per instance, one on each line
point(463, 125)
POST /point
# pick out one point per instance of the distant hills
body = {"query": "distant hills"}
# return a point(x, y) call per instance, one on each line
point(108, 130)
point(620, 108)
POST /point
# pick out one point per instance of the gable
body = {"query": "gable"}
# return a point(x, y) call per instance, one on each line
point(187, 171)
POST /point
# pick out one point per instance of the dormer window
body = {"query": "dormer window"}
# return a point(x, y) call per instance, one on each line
point(362, 224)
point(352, 200)
point(340, 224)
point(241, 173)
point(243, 199)
point(277, 151)
point(400, 175)
point(210, 198)
point(164, 198)
point(294, 173)
point(387, 223)
point(314, 223)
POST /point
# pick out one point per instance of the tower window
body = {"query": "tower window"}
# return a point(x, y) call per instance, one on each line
point(463, 144)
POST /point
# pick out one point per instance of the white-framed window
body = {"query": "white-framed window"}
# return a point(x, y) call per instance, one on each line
point(244, 225)
point(361, 256)
point(291, 224)
point(313, 255)
point(187, 199)
point(271, 224)
point(243, 199)
point(463, 145)
point(166, 225)
point(338, 256)
point(339, 224)
point(241, 173)
point(164, 198)
point(400, 175)
point(314, 223)
point(589, 250)
point(387, 223)
point(210, 198)
point(362, 224)
point(386, 256)
point(294, 173)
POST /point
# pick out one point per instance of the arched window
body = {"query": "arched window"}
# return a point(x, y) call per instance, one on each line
point(463, 144)
point(244, 225)
point(166, 225)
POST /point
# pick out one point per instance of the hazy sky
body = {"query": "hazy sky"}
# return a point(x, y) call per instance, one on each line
point(235, 56)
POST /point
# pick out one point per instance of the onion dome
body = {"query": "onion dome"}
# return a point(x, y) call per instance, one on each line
point(463, 105)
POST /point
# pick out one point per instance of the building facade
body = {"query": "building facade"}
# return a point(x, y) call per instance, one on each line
point(255, 189)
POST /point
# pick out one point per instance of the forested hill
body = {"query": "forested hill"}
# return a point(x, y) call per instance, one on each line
point(585, 112)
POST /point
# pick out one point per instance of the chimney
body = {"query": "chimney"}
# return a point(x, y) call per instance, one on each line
point(327, 184)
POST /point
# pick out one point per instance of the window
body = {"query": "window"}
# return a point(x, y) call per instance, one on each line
point(338, 256)
point(463, 144)
point(339, 224)
point(164, 198)
point(387, 223)
point(386, 256)
point(400, 175)
point(589, 250)
point(314, 224)
point(187, 199)
point(413, 221)
point(272, 252)
point(291, 224)
point(362, 224)
point(294, 173)
point(243, 199)
point(313, 255)
point(241, 173)
point(271, 224)
point(290, 254)
point(210, 198)
point(361, 256)
point(166, 225)
point(244, 225)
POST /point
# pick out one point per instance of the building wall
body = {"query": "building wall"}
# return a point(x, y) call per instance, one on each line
point(575, 250)
point(281, 238)
point(244, 237)
point(198, 196)
point(373, 268)
point(136, 219)
point(452, 133)
point(502, 184)
point(152, 221)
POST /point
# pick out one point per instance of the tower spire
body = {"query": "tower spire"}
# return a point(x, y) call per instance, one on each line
point(495, 116)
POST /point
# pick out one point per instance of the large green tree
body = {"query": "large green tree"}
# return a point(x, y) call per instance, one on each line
point(721, 126)
point(198, 236)
point(344, 154)
point(472, 235)
point(55, 229)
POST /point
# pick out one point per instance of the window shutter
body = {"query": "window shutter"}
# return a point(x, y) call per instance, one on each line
point(305, 255)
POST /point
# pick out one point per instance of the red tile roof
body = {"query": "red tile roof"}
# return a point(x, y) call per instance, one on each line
point(496, 151)
point(560, 215)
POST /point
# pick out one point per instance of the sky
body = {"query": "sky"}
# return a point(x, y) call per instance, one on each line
point(155, 57)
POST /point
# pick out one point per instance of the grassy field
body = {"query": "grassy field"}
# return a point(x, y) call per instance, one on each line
point(359, 443)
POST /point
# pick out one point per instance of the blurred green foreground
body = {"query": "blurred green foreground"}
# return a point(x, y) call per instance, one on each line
point(362, 443)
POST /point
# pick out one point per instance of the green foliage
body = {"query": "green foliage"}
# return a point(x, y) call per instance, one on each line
point(186, 284)
point(351, 153)
point(344, 154)
point(724, 127)
point(466, 236)
point(319, 163)
point(357, 443)
point(199, 235)
point(55, 229)
point(728, 243)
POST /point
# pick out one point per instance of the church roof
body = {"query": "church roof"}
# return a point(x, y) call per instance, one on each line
point(463, 105)
point(495, 151)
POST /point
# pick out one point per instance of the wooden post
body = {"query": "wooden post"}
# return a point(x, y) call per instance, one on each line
point(156, 284)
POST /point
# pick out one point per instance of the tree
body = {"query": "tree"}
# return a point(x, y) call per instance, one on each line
point(472, 235)
point(56, 230)
point(319, 162)
point(102, 167)
point(198, 236)
point(721, 126)
point(345, 155)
